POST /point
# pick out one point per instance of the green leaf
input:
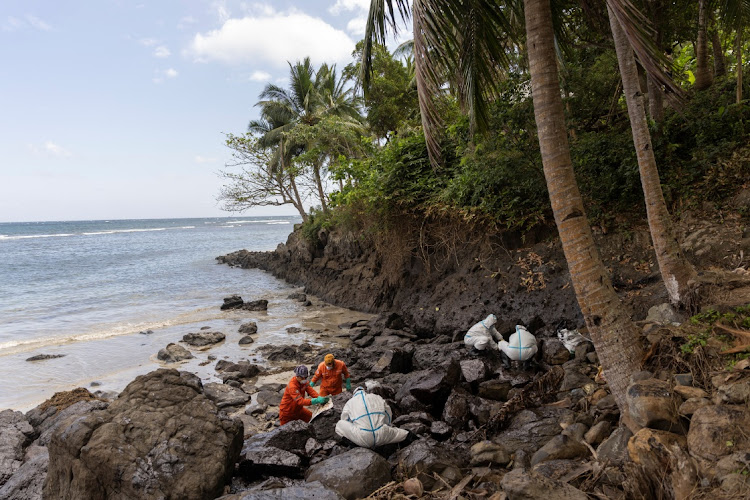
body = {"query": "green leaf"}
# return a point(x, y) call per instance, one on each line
point(691, 77)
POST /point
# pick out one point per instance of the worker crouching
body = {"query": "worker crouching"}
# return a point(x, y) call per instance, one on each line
point(521, 346)
point(293, 402)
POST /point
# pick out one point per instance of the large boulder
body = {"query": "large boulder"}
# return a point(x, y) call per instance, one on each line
point(473, 370)
point(324, 425)
point(456, 410)
point(554, 352)
point(15, 435)
point(653, 403)
point(353, 474)
point(161, 438)
point(430, 387)
point(392, 361)
point(614, 449)
point(27, 482)
point(173, 353)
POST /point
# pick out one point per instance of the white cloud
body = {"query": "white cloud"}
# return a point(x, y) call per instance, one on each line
point(186, 22)
point(162, 75)
point(50, 148)
point(349, 5)
point(148, 42)
point(161, 51)
point(13, 23)
point(260, 76)
point(274, 39)
point(38, 23)
point(220, 9)
point(357, 26)
point(203, 159)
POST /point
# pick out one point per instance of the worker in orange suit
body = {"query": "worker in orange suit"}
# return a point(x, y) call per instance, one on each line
point(332, 372)
point(293, 402)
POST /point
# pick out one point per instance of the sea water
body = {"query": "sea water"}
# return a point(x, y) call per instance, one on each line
point(91, 290)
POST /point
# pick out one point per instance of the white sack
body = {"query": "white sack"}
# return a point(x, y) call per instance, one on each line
point(365, 421)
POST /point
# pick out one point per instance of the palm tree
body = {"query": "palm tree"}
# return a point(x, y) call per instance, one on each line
point(615, 336)
point(734, 15)
point(311, 97)
point(677, 273)
point(703, 74)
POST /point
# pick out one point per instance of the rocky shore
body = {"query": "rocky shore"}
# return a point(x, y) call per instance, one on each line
point(476, 429)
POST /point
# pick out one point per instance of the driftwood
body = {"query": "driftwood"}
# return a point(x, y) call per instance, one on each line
point(743, 336)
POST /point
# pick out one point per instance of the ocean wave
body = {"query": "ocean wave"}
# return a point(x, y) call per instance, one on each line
point(91, 233)
point(278, 222)
point(25, 345)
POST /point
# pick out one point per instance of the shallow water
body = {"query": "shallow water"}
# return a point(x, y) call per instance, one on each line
point(86, 290)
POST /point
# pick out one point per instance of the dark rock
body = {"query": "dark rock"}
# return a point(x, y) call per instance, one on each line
point(280, 492)
point(280, 353)
point(15, 434)
point(574, 377)
point(392, 361)
point(582, 350)
point(556, 469)
point(691, 405)
point(271, 398)
point(256, 408)
point(146, 332)
point(426, 457)
point(530, 429)
point(293, 329)
point(224, 395)
point(473, 370)
point(255, 305)
point(732, 392)
point(249, 328)
point(358, 333)
point(276, 452)
point(247, 339)
point(598, 433)
point(430, 387)
point(52, 424)
point(395, 322)
point(365, 341)
point(647, 446)
point(614, 449)
point(489, 453)
point(684, 379)
point(42, 357)
point(174, 353)
point(238, 371)
point(307, 303)
point(170, 442)
point(354, 474)
point(496, 389)
point(27, 482)
point(521, 484)
point(652, 403)
point(233, 302)
point(324, 425)
point(456, 410)
point(559, 447)
point(203, 338)
point(554, 352)
point(641, 375)
point(440, 430)
point(298, 296)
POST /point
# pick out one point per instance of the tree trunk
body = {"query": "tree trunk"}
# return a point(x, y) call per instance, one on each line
point(738, 51)
point(654, 90)
point(319, 185)
point(297, 201)
point(676, 271)
point(720, 65)
point(703, 74)
point(615, 336)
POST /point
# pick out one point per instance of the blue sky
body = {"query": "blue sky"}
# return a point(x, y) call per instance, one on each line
point(117, 109)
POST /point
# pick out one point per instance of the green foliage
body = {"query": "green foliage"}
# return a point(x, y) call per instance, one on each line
point(708, 317)
point(695, 340)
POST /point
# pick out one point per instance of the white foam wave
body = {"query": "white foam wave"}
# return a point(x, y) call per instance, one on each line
point(197, 316)
point(92, 233)
point(29, 236)
point(278, 222)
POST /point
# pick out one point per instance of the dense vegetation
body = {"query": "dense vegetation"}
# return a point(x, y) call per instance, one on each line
point(381, 168)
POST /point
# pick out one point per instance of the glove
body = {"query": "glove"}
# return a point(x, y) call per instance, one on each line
point(348, 384)
point(319, 400)
point(312, 383)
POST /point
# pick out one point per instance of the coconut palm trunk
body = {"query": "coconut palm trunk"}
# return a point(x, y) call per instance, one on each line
point(615, 336)
point(738, 51)
point(676, 271)
point(703, 73)
point(720, 65)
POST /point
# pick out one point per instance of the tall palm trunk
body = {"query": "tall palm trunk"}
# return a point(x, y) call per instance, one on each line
point(319, 185)
point(720, 65)
point(738, 51)
point(296, 200)
point(615, 336)
point(703, 74)
point(676, 271)
point(655, 91)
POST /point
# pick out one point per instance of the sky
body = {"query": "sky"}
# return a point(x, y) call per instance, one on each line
point(118, 109)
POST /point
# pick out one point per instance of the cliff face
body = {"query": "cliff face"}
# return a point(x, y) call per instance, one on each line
point(443, 285)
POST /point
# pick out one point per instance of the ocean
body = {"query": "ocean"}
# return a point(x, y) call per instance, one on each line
point(87, 289)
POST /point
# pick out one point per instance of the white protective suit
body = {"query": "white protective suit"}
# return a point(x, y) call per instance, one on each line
point(483, 334)
point(365, 421)
point(521, 345)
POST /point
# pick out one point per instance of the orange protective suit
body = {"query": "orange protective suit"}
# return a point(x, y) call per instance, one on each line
point(332, 378)
point(292, 406)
